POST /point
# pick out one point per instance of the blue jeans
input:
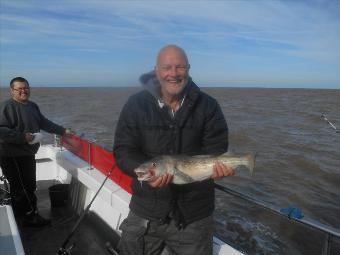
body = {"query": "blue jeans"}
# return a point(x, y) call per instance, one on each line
point(145, 237)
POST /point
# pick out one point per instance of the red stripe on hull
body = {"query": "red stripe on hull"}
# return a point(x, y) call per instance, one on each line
point(100, 158)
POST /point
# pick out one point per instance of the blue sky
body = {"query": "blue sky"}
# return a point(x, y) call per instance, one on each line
point(229, 43)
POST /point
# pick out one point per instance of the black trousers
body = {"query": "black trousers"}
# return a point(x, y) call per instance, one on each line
point(21, 175)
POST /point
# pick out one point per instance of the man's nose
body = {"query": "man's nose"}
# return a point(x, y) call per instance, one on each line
point(173, 71)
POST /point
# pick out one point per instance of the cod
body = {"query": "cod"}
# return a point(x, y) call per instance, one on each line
point(188, 169)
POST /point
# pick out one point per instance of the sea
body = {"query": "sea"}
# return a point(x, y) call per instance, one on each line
point(297, 158)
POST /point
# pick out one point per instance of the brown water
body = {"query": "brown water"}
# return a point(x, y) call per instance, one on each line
point(297, 163)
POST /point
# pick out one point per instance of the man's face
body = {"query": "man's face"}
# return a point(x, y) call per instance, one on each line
point(20, 91)
point(172, 71)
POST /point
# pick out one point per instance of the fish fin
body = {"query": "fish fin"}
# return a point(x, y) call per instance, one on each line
point(184, 177)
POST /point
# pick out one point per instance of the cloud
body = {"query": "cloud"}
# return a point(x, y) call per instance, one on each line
point(204, 21)
point(216, 31)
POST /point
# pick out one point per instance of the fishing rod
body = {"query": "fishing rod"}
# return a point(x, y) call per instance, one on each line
point(330, 123)
point(292, 213)
point(66, 251)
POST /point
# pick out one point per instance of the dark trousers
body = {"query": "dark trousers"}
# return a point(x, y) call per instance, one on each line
point(21, 175)
point(144, 237)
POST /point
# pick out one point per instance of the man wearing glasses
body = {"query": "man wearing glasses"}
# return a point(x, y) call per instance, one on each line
point(170, 116)
point(20, 125)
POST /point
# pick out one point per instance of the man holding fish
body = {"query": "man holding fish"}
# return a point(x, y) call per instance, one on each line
point(171, 117)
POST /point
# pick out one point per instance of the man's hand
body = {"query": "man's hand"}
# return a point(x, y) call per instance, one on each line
point(69, 131)
point(29, 137)
point(220, 170)
point(161, 181)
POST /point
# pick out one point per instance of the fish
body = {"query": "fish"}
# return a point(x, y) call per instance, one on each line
point(188, 169)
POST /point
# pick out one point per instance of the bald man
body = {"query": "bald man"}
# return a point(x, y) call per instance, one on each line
point(171, 116)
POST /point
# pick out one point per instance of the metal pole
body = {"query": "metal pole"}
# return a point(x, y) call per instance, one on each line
point(57, 142)
point(89, 156)
point(328, 244)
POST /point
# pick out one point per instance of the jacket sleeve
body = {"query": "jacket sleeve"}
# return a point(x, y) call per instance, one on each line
point(49, 126)
point(127, 146)
point(9, 134)
point(215, 135)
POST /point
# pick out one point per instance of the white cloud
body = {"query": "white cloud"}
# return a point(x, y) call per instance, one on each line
point(244, 31)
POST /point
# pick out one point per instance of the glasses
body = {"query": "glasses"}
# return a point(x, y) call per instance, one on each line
point(179, 68)
point(22, 89)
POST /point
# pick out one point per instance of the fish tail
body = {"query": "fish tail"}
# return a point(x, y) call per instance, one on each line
point(250, 162)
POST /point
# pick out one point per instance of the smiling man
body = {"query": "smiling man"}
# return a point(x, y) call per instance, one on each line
point(170, 116)
point(20, 125)
point(172, 71)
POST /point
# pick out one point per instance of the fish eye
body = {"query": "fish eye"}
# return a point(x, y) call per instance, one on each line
point(154, 164)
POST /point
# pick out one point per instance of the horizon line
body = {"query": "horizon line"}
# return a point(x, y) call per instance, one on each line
point(205, 87)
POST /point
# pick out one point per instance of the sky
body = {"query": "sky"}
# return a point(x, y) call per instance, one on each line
point(253, 43)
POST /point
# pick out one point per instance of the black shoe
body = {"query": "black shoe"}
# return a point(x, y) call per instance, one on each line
point(35, 220)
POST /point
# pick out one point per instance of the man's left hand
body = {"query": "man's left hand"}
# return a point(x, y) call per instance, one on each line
point(161, 181)
point(220, 170)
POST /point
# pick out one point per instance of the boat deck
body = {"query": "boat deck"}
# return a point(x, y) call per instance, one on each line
point(92, 236)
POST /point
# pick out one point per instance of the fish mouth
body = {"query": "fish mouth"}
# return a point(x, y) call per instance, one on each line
point(140, 174)
point(143, 175)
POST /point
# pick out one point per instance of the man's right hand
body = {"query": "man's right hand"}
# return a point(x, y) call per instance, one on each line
point(29, 137)
point(161, 181)
point(69, 131)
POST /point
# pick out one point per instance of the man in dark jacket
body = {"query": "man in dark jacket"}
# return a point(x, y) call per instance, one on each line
point(170, 116)
point(20, 125)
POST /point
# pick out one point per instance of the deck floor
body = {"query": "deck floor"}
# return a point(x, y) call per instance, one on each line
point(91, 236)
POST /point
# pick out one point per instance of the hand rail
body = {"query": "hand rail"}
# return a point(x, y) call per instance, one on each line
point(328, 230)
